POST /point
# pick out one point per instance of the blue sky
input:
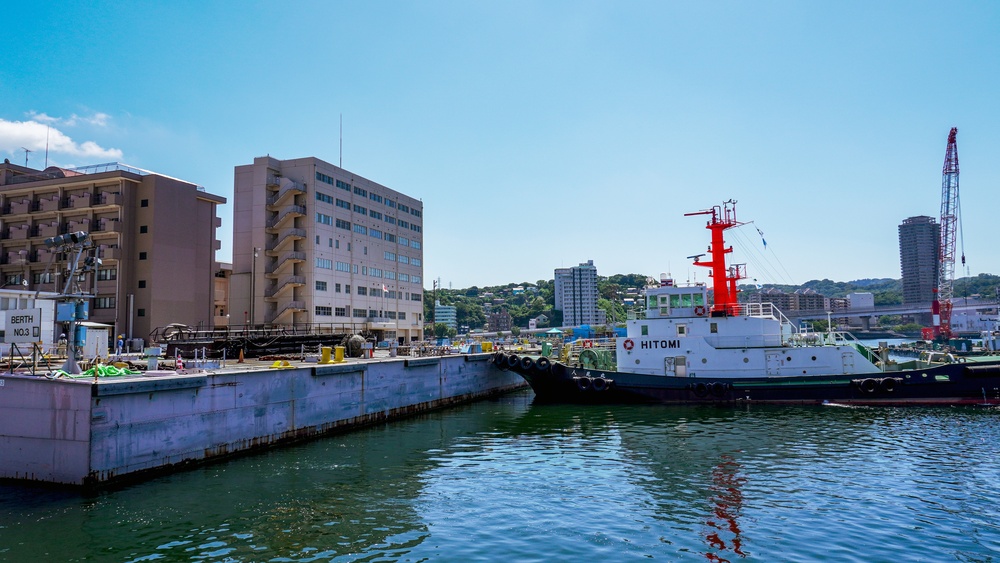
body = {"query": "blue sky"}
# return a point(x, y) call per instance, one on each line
point(544, 134)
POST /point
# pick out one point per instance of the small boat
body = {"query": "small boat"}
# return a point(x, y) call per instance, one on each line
point(682, 349)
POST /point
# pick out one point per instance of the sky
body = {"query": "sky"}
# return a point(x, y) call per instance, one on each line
point(543, 134)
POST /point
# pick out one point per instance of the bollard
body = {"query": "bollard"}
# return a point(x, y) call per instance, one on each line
point(338, 354)
point(325, 355)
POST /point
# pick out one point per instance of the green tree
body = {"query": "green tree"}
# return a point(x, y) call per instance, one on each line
point(515, 331)
point(440, 330)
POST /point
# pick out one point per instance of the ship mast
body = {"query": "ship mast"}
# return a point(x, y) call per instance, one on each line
point(723, 278)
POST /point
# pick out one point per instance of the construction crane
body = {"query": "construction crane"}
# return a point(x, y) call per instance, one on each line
point(941, 307)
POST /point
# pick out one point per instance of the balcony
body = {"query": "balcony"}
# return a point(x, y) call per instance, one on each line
point(47, 203)
point(108, 199)
point(18, 207)
point(110, 253)
point(19, 232)
point(80, 200)
point(46, 230)
point(107, 226)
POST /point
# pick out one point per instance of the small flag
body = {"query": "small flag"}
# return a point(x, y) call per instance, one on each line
point(761, 233)
point(757, 284)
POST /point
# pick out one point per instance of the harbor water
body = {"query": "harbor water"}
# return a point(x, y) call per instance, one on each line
point(509, 480)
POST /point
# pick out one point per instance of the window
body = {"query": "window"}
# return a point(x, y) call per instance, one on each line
point(375, 214)
point(336, 244)
point(325, 219)
point(390, 219)
point(681, 330)
point(324, 263)
point(360, 191)
point(389, 237)
point(359, 209)
point(404, 224)
point(402, 316)
point(340, 311)
point(38, 278)
point(390, 256)
point(361, 313)
point(143, 229)
point(390, 275)
point(415, 244)
point(343, 204)
point(362, 290)
point(142, 284)
point(336, 288)
point(404, 241)
point(343, 185)
point(414, 297)
point(144, 203)
point(104, 303)
point(390, 203)
point(141, 313)
point(415, 261)
point(404, 277)
point(404, 259)
point(343, 267)
point(713, 327)
point(341, 224)
point(415, 279)
point(330, 241)
point(347, 289)
point(415, 212)
point(317, 239)
point(415, 228)
point(373, 313)
point(142, 256)
point(320, 196)
point(324, 311)
point(320, 285)
point(360, 229)
point(375, 197)
point(105, 274)
point(375, 233)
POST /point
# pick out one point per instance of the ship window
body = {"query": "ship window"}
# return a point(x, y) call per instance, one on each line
point(686, 300)
point(699, 299)
point(663, 299)
point(651, 302)
point(681, 330)
point(713, 327)
point(645, 330)
point(675, 300)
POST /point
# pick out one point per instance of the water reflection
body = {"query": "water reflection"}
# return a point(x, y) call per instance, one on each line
point(511, 480)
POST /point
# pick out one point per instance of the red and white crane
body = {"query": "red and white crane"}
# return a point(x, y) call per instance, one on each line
point(942, 306)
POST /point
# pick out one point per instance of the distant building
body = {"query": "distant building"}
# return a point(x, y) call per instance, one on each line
point(919, 248)
point(498, 321)
point(315, 245)
point(861, 300)
point(576, 295)
point(800, 300)
point(446, 314)
point(155, 236)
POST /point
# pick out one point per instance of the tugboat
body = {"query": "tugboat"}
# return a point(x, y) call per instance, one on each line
point(681, 350)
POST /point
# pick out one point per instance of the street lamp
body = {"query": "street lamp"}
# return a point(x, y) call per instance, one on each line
point(253, 286)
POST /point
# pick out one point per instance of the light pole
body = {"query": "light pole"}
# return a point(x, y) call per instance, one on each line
point(253, 287)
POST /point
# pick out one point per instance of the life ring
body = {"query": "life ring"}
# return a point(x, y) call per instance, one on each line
point(543, 364)
point(700, 389)
point(700, 311)
point(628, 344)
point(583, 383)
point(868, 385)
point(599, 384)
point(527, 364)
point(588, 343)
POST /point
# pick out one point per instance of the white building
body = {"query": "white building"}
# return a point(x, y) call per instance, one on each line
point(576, 295)
point(447, 314)
point(320, 247)
point(861, 300)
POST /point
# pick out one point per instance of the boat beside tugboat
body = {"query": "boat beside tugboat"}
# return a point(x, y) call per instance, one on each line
point(682, 349)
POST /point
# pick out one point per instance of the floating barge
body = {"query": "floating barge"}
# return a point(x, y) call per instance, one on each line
point(88, 432)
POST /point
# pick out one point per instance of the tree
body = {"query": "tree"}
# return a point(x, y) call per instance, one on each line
point(515, 331)
point(440, 330)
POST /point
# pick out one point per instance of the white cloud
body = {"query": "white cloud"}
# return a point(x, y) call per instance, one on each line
point(98, 119)
point(36, 133)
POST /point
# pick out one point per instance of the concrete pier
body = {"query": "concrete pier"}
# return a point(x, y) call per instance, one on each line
point(82, 432)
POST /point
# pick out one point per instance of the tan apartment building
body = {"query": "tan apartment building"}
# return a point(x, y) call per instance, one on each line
point(155, 236)
point(320, 248)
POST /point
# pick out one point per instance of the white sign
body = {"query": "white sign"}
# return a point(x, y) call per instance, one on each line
point(23, 326)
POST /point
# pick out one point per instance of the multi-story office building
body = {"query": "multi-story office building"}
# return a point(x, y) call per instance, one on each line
point(155, 236)
point(447, 314)
point(576, 295)
point(318, 247)
point(919, 249)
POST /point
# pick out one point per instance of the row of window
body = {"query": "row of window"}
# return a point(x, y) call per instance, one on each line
point(371, 292)
point(364, 193)
point(359, 313)
point(327, 264)
point(361, 210)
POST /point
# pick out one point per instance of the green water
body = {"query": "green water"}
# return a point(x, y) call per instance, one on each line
point(507, 480)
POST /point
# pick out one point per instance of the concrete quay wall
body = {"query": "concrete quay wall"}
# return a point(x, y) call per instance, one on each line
point(80, 432)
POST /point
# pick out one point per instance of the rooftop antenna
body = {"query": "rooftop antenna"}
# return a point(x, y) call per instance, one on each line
point(47, 129)
point(26, 151)
point(341, 140)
